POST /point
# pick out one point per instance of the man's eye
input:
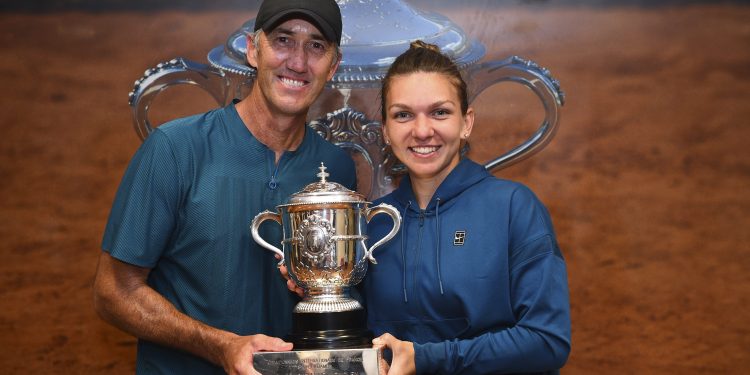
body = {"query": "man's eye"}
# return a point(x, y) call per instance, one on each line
point(282, 40)
point(317, 47)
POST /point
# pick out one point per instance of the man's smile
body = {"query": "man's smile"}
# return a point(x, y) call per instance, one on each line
point(292, 82)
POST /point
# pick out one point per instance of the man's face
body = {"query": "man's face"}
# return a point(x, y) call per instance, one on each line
point(294, 61)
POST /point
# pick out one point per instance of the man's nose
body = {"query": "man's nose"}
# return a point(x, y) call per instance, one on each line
point(297, 60)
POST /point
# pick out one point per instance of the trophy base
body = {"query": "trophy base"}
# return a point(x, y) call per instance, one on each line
point(315, 362)
point(330, 330)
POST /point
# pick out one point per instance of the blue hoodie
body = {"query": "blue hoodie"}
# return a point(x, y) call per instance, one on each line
point(476, 280)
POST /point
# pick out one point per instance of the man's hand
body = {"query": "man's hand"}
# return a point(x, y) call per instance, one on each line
point(238, 353)
point(123, 298)
point(403, 354)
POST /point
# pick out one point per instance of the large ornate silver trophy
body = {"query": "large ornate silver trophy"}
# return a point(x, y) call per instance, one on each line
point(324, 250)
point(347, 113)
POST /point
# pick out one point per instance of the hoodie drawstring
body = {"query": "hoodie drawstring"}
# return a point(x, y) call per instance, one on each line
point(437, 234)
point(403, 252)
point(437, 249)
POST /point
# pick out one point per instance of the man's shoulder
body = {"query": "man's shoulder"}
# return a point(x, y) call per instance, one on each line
point(339, 161)
point(328, 151)
point(193, 125)
point(324, 145)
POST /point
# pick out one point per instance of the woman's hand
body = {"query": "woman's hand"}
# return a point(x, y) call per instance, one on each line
point(290, 284)
point(403, 354)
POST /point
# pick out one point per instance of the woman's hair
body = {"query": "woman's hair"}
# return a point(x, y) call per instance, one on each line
point(427, 58)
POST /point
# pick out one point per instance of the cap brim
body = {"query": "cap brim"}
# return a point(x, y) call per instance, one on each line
point(322, 26)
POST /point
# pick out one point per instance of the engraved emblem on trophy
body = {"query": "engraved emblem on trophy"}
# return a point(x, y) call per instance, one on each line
point(325, 251)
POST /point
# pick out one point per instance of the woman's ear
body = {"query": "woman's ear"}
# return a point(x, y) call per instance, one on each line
point(468, 123)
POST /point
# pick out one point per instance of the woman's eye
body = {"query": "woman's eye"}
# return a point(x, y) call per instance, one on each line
point(401, 116)
point(441, 113)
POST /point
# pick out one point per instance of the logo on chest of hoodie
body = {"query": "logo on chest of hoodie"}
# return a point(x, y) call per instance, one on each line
point(459, 237)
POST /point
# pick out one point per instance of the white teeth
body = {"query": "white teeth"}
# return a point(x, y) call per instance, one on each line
point(292, 82)
point(424, 149)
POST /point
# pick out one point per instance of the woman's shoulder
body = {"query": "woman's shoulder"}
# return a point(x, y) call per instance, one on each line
point(388, 198)
point(497, 185)
point(496, 191)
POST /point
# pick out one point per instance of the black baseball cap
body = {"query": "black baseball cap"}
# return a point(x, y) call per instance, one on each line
point(325, 14)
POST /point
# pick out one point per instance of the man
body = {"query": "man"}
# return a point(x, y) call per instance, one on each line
point(179, 269)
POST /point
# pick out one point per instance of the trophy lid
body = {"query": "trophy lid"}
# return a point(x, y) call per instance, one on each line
point(375, 33)
point(325, 191)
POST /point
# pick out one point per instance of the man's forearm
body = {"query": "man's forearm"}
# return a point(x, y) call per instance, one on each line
point(124, 299)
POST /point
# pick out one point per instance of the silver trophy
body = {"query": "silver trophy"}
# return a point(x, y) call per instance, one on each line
point(325, 252)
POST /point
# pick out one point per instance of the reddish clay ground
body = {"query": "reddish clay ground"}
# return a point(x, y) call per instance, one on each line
point(646, 181)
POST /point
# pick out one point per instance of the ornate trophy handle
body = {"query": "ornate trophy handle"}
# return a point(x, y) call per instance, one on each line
point(393, 213)
point(174, 72)
point(260, 218)
point(536, 78)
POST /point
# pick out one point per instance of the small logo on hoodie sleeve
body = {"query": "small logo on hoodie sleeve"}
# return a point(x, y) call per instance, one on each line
point(459, 237)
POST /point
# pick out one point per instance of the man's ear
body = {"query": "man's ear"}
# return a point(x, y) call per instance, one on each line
point(252, 51)
point(335, 65)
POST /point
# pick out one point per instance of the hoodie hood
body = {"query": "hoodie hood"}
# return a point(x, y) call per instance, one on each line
point(465, 175)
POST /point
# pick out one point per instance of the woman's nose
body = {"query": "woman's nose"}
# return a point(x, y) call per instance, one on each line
point(422, 128)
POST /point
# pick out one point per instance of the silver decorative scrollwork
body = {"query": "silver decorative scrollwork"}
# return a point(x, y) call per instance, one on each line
point(315, 237)
point(352, 130)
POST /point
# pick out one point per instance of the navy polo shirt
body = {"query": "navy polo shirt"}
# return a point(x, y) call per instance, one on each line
point(184, 209)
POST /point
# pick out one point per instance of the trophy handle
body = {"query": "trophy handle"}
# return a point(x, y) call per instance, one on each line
point(536, 78)
point(174, 72)
point(393, 213)
point(260, 218)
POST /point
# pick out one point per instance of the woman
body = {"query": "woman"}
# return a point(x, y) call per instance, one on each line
point(474, 282)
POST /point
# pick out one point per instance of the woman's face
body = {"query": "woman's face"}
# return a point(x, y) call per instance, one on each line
point(424, 124)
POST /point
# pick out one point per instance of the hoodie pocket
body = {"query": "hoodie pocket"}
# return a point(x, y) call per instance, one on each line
point(423, 331)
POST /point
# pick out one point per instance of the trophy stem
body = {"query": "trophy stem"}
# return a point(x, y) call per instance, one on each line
point(331, 330)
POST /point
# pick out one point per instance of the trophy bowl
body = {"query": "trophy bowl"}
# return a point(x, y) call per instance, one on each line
point(325, 251)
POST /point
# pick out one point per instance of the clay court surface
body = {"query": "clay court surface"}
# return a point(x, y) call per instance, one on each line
point(647, 179)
